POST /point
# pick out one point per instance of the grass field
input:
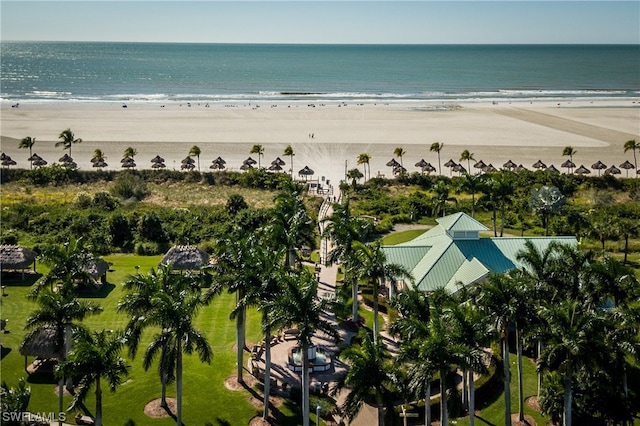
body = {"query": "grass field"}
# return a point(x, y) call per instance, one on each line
point(205, 399)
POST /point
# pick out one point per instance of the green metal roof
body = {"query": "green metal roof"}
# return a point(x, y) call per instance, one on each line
point(461, 222)
point(436, 260)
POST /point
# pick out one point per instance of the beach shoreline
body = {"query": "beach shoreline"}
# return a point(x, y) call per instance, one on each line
point(328, 136)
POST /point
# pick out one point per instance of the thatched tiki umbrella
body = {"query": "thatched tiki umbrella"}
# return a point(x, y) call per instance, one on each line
point(459, 168)
point(450, 164)
point(218, 164)
point(246, 166)
point(509, 165)
point(398, 170)
point(480, 165)
point(306, 172)
point(613, 170)
point(8, 162)
point(428, 168)
point(17, 258)
point(539, 165)
point(278, 161)
point(185, 258)
point(582, 170)
point(569, 165)
point(157, 162)
point(249, 161)
point(275, 167)
point(627, 165)
point(553, 169)
point(520, 168)
point(188, 163)
point(128, 163)
point(598, 165)
point(489, 169)
point(421, 164)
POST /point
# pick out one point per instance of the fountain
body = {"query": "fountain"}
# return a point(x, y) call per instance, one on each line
point(319, 360)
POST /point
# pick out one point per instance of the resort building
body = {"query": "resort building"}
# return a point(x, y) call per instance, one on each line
point(453, 254)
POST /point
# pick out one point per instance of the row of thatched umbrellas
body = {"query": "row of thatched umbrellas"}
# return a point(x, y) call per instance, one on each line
point(157, 162)
point(426, 167)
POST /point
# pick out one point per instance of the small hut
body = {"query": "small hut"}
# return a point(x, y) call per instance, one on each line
point(42, 345)
point(185, 258)
point(97, 269)
point(17, 258)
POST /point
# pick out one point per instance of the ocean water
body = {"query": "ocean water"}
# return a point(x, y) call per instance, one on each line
point(238, 73)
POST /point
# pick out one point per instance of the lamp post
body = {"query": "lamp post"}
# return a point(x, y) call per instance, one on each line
point(318, 413)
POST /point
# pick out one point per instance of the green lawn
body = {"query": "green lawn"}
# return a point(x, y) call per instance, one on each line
point(402, 236)
point(205, 399)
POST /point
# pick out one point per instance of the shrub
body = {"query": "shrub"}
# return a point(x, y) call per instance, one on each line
point(82, 200)
point(147, 249)
point(105, 201)
point(128, 185)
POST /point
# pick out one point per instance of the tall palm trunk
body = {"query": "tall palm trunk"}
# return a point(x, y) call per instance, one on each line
point(520, 388)
point(164, 374)
point(240, 342)
point(354, 306)
point(473, 204)
point(465, 391)
point(305, 384)
point(179, 381)
point(539, 372)
point(472, 402)
point(60, 399)
point(376, 321)
point(502, 219)
point(98, 421)
point(444, 412)
point(427, 403)
point(507, 376)
point(267, 372)
point(567, 395)
point(67, 349)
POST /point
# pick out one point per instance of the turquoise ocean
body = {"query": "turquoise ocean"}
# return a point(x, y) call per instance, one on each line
point(240, 73)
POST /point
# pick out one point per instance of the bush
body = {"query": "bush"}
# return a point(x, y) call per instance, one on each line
point(147, 249)
point(105, 201)
point(128, 185)
point(82, 200)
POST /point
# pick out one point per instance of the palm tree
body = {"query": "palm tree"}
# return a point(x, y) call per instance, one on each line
point(546, 201)
point(399, 152)
point(195, 152)
point(501, 188)
point(174, 311)
point(471, 329)
point(364, 159)
point(95, 356)
point(574, 339)
point(368, 378)
point(568, 150)
point(343, 229)
point(290, 224)
point(28, 142)
point(257, 149)
point(501, 298)
point(138, 302)
point(632, 146)
point(471, 183)
point(437, 147)
point(373, 268)
point(414, 311)
point(441, 198)
point(468, 156)
point(272, 273)
point(236, 272)
point(130, 152)
point(299, 304)
point(355, 175)
point(67, 138)
point(15, 399)
point(60, 312)
point(68, 265)
point(288, 151)
point(98, 155)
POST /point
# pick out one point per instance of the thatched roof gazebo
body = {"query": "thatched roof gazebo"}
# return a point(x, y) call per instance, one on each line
point(17, 258)
point(98, 271)
point(42, 345)
point(185, 258)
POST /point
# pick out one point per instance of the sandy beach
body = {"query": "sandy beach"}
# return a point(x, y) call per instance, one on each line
point(325, 136)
